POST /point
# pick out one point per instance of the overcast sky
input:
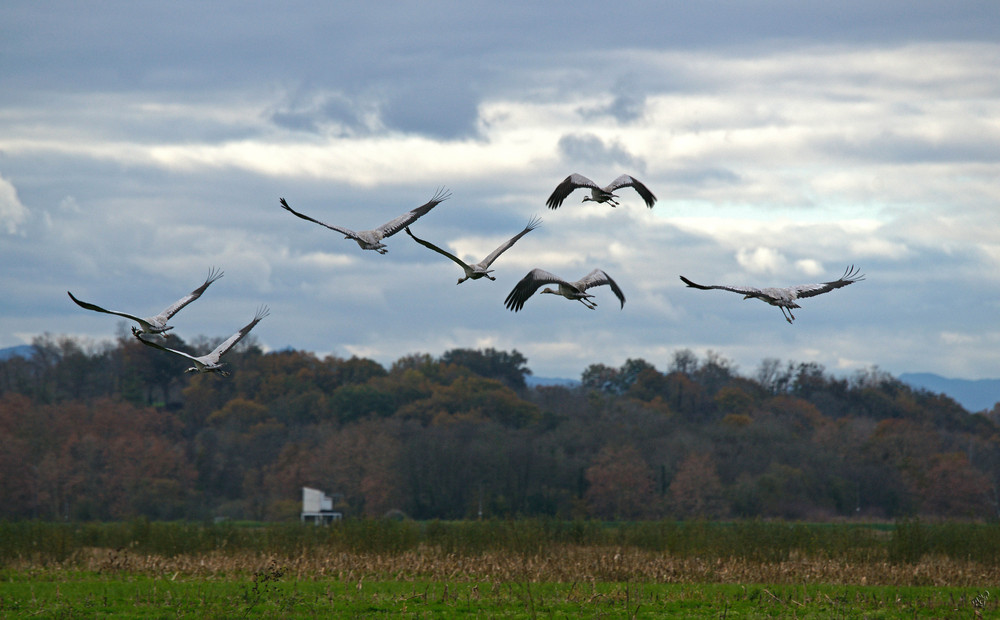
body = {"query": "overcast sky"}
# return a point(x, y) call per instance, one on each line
point(143, 143)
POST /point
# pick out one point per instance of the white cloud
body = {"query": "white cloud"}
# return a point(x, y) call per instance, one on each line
point(879, 248)
point(327, 260)
point(792, 141)
point(761, 260)
point(772, 162)
point(958, 338)
point(809, 266)
point(12, 213)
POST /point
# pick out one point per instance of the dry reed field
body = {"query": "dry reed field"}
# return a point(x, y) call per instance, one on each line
point(562, 563)
point(498, 570)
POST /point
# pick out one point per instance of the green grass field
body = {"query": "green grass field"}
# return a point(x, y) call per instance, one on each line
point(517, 569)
point(89, 595)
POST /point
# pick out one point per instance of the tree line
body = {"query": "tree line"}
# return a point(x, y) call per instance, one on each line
point(109, 431)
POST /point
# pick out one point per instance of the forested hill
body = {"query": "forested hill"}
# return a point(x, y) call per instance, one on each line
point(121, 431)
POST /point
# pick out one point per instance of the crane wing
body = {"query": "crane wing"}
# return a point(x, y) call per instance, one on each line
point(175, 307)
point(742, 290)
point(527, 287)
point(532, 225)
point(230, 342)
point(564, 189)
point(344, 231)
point(851, 275)
point(429, 245)
point(629, 181)
point(392, 227)
point(156, 345)
point(96, 308)
point(598, 277)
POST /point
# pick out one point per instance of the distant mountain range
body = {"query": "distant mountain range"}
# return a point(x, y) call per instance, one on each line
point(973, 394)
point(23, 350)
point(534, 381)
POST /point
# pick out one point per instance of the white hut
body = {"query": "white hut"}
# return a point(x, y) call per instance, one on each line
point(317, 507)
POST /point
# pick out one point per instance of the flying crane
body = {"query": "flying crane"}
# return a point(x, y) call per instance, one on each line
point(480, 269)
point(570, 290)
point(784, 298)
point(372, 239)
point(157, 324)
point(211, 361)
point(597, 193)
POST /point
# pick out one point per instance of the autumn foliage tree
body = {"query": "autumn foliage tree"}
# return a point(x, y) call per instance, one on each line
point(116, 430)
point(954, 488)
point(620, 485)
point(696, 490)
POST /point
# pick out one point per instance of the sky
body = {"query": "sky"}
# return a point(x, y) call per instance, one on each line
point(143, 143)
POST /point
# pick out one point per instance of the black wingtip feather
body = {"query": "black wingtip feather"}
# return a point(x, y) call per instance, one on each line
point(693, 285)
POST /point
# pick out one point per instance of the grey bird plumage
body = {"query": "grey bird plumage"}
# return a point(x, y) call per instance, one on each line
point(598, 193)
point(480, 269)
point(156, 324)
point(372, 239)
point(211, 361)
point(784, 298)
point(570, 290)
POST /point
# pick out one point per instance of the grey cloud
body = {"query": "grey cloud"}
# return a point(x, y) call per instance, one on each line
point(441, 110)
point(137, 232)
point(318, 112)
point(590, 149)
point(893, 147)
point(193, 44)
point(625, 108)
point(703, 177)
point(295, 120)
point(629, 103)
point(439, 104)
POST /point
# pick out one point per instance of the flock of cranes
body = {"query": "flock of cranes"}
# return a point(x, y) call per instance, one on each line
point(150, 328)
point(157, 326)
point(211, 362)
